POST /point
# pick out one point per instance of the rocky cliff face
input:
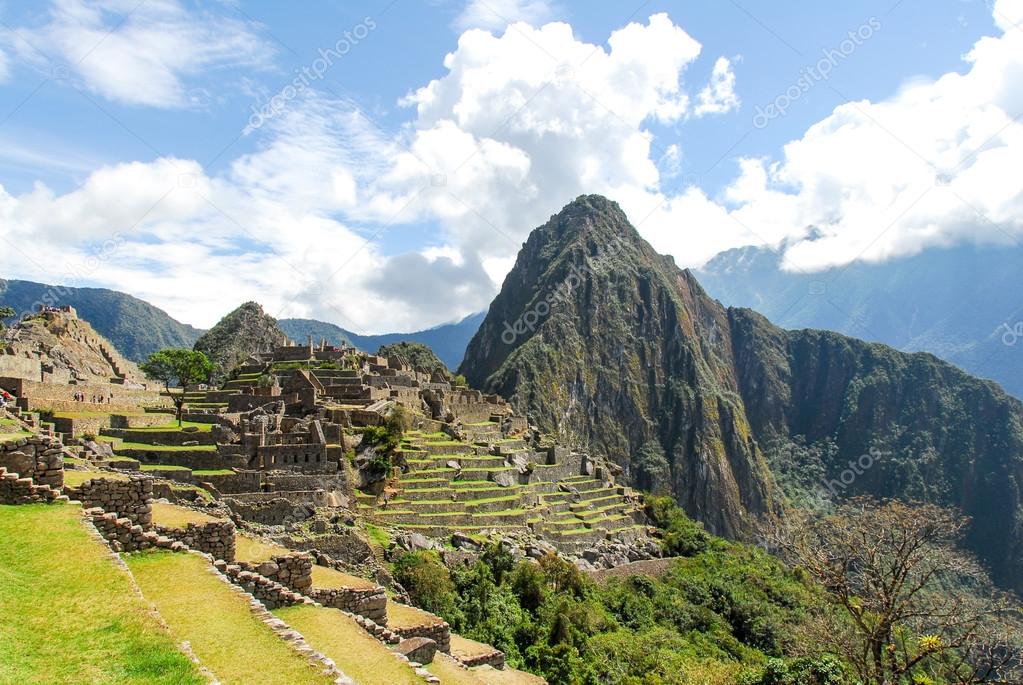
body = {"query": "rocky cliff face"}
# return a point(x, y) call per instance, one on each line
point(606, 342)
point(243, 332)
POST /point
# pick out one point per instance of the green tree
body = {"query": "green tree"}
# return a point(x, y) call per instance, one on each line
point(890, 567)
point(178, 368)
point(653, 473)
point(6, 313)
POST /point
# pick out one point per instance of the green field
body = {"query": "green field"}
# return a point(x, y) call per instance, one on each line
point(68, 614)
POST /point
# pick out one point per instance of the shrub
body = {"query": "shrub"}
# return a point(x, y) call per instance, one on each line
point(683, 537)
point(427, 581)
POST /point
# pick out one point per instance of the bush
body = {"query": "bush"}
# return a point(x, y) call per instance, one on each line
point(427, 581)
point(683, 537)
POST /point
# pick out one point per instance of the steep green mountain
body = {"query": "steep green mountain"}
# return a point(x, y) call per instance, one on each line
point(447, 342)
point(606, 342)
point(961, 304)
point(245, 331)
point(418, 355)
point(136, 328)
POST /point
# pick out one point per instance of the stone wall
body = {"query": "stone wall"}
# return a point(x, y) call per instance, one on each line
point(130, 499)
point(16, 366)
point(216, 538)
point(438, 632)
point(17, 490)
point(271, 593)
point(294, 571)
point(40, 396)
point(369, 603)
point(274, 512)
point(37, 457)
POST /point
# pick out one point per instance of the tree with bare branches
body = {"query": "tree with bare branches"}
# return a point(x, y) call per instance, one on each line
point(909, 605)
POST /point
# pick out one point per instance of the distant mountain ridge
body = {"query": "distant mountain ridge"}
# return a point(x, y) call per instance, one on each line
point(447, 341)
point(135, 327)
point(961, 303)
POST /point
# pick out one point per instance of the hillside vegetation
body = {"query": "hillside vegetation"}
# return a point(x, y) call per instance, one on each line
point(605, 342)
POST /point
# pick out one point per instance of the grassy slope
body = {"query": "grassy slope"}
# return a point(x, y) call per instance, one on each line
point(356, 653)
point(68, 614)
point(216, 621)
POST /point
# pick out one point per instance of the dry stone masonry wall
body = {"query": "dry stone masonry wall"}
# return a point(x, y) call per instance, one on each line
point(216, 538)
point(37, 457)
point(130, 499)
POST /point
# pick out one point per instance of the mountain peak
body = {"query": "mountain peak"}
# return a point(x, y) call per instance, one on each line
point(245, 331)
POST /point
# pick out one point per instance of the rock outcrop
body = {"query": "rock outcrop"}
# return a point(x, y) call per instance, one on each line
point(244, 332)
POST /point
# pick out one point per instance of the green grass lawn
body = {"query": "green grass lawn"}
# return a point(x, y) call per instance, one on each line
point(68, 614)
point(216, 621)
point(356, 653)
point(16, 435)
point(164, 448)
point(200, 427)
point(212, 472)
point(173, 516)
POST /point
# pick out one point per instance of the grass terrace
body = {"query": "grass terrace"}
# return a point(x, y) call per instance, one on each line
point(252, 549)
point(328, 579)
point(204, 610)
point(173, 516)
point(72, 479)
point(360, 656)
point(68, 614)
point(404, 616)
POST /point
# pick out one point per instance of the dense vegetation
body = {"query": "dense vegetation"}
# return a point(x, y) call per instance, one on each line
point(417, 354)
point(136, 328)
point(729, 613)
point(723, 613)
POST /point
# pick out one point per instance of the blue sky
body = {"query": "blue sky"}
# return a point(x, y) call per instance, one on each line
point(391, 191)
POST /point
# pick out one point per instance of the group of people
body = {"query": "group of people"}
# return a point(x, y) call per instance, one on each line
point(95, 399)
point(5, 398)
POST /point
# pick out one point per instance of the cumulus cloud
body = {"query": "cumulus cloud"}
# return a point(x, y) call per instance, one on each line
point(497, 14)
point(519, 124)
point(926, 167)
point(141, 53)
point(718, 96)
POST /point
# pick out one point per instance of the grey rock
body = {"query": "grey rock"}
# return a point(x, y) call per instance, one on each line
point(505, 479)
point(418, 649)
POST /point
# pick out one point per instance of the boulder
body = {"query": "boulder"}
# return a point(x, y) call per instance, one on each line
point(414, 542)
point(418, 649)
point(100, 449)
point(505, 479)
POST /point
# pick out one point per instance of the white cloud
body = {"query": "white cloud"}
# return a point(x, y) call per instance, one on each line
point(498, 14)
point(929, 166)
point(142, 53)
point(5, 69)
point(719, 95)
point(519, 124)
